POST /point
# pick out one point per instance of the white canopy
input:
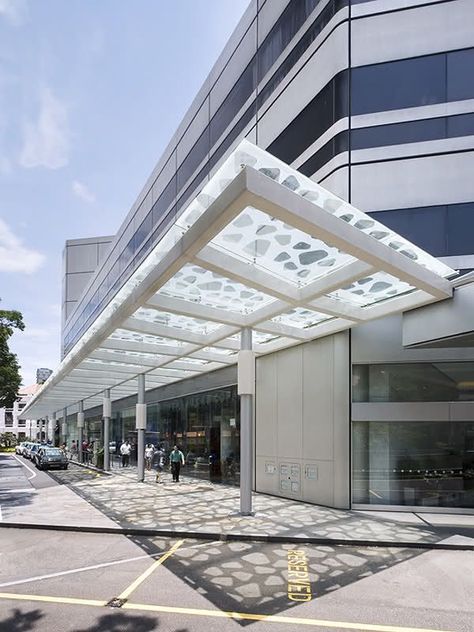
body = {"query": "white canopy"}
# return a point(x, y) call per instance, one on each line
point(261, 246)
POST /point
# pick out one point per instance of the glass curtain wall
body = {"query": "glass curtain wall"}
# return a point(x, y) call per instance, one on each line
point(205, 426)
point(411, 462)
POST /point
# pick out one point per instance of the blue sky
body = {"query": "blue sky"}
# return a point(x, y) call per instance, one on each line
point(90, 93)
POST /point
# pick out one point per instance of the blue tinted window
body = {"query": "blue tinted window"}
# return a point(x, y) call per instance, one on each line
point(399, 84)
point(425, 227)
point(460, 229)
point(460, 125)
point(460, 75)
point(399, 133)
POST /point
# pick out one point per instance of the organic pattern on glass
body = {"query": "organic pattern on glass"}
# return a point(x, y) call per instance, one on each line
point(278, 248)
point(301, 318)
point(177, 321)
point(372, 289)
point(133, 336)
point(193, 283)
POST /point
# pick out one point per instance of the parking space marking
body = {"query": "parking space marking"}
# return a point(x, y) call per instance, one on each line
point(272, 618)
point(48, 599)
point(134, 585)
point(237, 616)
point(81, 569)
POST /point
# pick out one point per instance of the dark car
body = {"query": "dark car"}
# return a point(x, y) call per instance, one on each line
point(33, 451)
point(47, 458)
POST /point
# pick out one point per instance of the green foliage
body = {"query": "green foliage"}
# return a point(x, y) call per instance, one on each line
point(10, 379)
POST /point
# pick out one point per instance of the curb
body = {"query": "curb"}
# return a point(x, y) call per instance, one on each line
point(91, 467)
point(239, 537)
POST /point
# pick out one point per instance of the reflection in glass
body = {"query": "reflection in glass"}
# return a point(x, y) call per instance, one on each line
point(413, 382)
point(429, 464)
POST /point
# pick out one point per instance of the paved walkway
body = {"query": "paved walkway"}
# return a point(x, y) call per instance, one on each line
point(202, 507)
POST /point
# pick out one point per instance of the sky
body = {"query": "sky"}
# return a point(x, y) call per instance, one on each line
point(91, 91)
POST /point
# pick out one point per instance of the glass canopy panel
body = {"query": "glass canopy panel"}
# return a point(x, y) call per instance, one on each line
point(112, 363)
point(177, 321)
point(131, 355)
point(133, 336)
point(248, 154)
point(220, 351)
point(175, 364)
point(195, 284)
point(301, 318)
point(278, 248)
point(372, 289)
point(259, 337)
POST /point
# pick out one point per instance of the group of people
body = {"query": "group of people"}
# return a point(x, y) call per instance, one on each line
point(157, 456)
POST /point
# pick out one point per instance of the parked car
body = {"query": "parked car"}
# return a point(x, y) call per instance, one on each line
point(32, 450)
point(26, 449)
point(48, 457)
point(20, 447)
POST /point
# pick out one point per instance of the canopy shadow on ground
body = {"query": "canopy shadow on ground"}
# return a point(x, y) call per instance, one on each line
point(252, 577)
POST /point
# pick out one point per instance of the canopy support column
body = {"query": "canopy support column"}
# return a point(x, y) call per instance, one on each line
point(80, 431)
point(107, 413)
point(64, 427)
point(140, 424)
point(246, 390)
point(52, 429)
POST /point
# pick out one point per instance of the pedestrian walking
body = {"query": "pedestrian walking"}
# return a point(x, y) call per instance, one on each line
point(125, 450)
point(160, 464)
point(176, 460)
point(149, 453)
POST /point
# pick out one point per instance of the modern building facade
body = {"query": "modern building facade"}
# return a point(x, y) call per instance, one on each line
point(374, 100)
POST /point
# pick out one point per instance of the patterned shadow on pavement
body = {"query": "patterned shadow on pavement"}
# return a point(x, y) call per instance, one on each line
point(252, 577)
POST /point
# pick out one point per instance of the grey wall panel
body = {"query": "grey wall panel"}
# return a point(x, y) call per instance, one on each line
point(239, 60)
point(400, 411)
point(81, 258)
point(318, 401)
point(194, 131)
point(440, 320)
point(104, 249)
point(268, 15)
point(75, 284)
point(289, 403)
point(413, 32)
point(305, 391)
point(329, 59)
point(416, 182)
point(169, 169)
point(266, 407)
point(381, 341)
point(341, 417)
point(337, 182)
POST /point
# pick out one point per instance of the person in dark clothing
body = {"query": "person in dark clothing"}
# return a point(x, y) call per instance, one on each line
point(176, 460)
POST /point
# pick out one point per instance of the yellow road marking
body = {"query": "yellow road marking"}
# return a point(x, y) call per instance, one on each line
point(133, 586)
point(242, 616)
point(62, 600)
point(272, 618)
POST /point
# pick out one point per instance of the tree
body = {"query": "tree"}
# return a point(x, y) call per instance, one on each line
point(10, 378)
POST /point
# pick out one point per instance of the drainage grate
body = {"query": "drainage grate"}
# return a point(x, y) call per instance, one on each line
point(116, 602)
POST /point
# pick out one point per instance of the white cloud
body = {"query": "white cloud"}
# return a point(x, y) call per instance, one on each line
point(14, 257)
point(14, 11)
point(82, 192)
point(46, 141)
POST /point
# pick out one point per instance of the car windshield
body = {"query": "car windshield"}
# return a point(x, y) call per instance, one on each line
point(53, 451)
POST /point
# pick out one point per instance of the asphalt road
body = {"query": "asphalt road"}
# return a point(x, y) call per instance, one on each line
point(54, 581)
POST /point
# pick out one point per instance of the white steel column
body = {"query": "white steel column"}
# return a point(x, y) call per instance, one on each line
point(80, 431)
point(52, 428)
point(246, 390)
point(107, 413)
point(140, 425)
point(46, 428)
point(64, 427)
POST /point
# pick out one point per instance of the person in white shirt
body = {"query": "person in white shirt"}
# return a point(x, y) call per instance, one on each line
point(149, 453)
point(125, 450)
